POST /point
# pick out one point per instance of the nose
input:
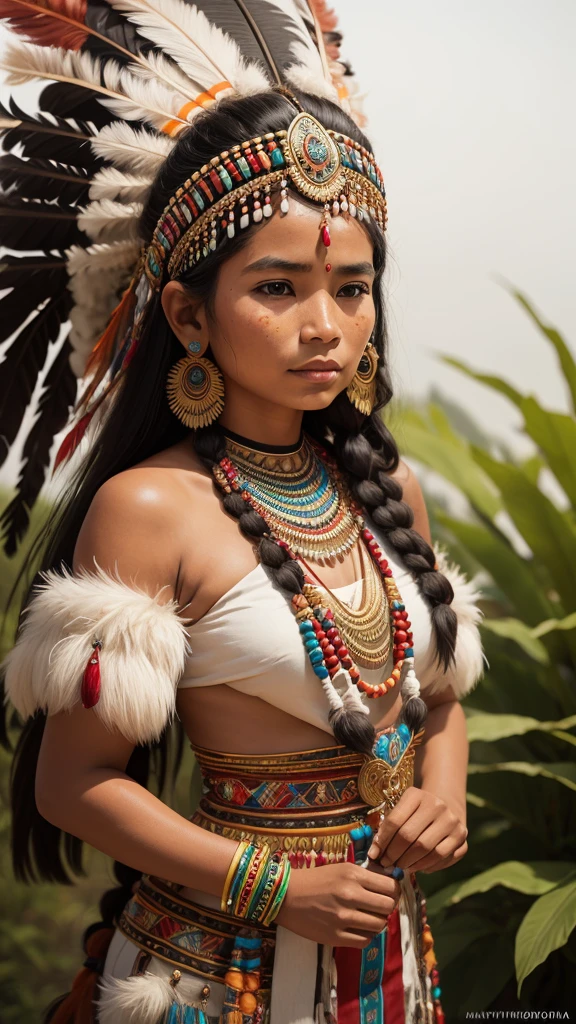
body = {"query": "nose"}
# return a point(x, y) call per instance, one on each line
point(321, 324)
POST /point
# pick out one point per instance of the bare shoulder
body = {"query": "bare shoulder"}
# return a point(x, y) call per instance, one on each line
point(134, 525)
point(413, 496)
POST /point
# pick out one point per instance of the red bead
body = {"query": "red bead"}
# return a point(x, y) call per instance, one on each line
point(316, 626)
point(354, 673)
point(332, 662)
point(346, 662)
point(325, 236)
point(407, 623)
point(334, 670)
point(332, 632)
point(329, 615)
point(342, 652)
point(320, 634)
point(329, 651)
point(400, 635)
point(388, 573)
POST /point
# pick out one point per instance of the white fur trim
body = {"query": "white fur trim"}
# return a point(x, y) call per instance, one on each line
point(142, 999)
point(144, 649)
point(468, 667)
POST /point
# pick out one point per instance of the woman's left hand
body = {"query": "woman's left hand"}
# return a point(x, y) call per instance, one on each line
point(421, 833)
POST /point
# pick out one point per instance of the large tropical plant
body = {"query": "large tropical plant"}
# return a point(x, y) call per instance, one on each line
point(504, 917)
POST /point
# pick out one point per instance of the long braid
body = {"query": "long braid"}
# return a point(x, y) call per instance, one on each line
point(366, 458)
point(352, 728)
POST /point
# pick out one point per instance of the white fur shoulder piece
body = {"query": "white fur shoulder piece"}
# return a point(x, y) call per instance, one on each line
point(468, 666)
point(144, 646)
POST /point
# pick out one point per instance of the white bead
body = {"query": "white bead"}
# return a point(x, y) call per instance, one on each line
point(244, 220)
point(344, 205)
point(335, 207)
point(212, 244)
point(257, 215)
point(284, 207)
point(230, 231)
point(352, 209)
point(268, 211)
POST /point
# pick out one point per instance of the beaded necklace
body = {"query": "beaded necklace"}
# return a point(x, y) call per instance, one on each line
point(319, 628)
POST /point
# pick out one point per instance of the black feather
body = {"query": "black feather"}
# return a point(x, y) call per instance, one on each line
point(66, 100)
point(35, 179)
point(24, 361)
point(52, 414)
point(116, 27)
point(56, 139)
point(33, 279)
point(26, 225)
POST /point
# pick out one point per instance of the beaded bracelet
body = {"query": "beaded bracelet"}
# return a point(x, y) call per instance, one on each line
point(256, 883)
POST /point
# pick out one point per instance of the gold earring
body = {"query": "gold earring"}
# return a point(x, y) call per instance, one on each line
point(362, 388)
point(195, 389)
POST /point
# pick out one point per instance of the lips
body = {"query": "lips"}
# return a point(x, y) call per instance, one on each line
point(320, 364)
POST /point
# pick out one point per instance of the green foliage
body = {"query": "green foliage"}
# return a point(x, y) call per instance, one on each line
point(510, 904)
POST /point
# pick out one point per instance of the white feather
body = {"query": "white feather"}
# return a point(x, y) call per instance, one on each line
point(205, 53)
point(307, 73)
point(125, 95)
point(132, 149)
point(112, 183)
point(140, 999)
point(107, 221)
point(144, 649)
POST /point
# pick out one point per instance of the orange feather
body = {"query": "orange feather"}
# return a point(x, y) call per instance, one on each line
point(53, 23)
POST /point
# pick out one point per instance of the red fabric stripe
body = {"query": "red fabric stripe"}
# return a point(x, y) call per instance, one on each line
point(393, 986)
point(348, 963)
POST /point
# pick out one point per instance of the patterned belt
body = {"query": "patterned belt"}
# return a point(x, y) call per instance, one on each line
point(320, 806)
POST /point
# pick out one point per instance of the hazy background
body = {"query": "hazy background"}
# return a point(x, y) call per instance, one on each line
point(471, 115)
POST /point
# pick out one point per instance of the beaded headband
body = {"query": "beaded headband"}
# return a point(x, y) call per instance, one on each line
point(223, 197)
point(234, 188)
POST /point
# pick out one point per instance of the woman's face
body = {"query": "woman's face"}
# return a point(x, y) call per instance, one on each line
point(277, 309)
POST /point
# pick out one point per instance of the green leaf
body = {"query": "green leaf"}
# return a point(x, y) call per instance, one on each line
point(530, 877)
point(513, 574)
point(515, 629)
point(545, 927)
point(565, 357)
point(496, 383)
point(552, 624)
point(555, 435)
point(452, 459)
point(545, 529)
point(562, 771)
point(489, 727)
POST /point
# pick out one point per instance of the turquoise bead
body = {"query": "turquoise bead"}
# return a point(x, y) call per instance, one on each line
point(306, 627)
point(367, 830)
point(312, 645)
point(198, 198)
point(316, 657)
point(321, 671)
point(243, 165)
point(277, 157)
point(437, 992)
point(225, 177)
point(409, 652)
point(243, 942)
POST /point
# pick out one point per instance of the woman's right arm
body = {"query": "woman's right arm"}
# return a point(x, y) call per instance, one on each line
point(81, 783)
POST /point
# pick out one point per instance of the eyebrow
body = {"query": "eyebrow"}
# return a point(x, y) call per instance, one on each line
point(277, 263)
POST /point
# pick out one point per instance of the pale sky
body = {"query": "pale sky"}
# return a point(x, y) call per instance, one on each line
point(471, 116)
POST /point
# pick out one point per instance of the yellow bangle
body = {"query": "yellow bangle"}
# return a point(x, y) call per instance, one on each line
point(242, 846)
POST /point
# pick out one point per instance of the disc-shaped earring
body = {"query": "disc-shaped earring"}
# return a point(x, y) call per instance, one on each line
point(195, 390)
point(362, 388)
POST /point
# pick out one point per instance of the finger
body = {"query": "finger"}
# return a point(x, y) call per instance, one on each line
point(400, 813)
point(433, 862)
point(379, 882)
point(423, 845)
point(373, 903)
point(370, 923)
point(356, 940)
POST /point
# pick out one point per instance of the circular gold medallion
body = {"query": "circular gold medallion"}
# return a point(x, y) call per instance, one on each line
point(313, 157)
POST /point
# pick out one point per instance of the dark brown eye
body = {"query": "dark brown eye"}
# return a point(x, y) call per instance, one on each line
point(275, 289)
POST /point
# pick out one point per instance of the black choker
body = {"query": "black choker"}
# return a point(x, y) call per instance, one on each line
point(259, 446)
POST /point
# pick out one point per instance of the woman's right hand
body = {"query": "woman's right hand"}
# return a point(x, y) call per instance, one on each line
point(339, 904)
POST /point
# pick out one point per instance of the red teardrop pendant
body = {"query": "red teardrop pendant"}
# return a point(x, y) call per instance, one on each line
point(91, 679)
point(326, 236)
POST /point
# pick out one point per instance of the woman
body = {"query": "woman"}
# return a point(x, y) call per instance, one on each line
point(241, 549)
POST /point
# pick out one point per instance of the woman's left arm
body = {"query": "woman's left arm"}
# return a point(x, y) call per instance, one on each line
point(426, 830)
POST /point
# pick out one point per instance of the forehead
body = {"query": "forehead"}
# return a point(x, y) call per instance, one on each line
point(296, 236)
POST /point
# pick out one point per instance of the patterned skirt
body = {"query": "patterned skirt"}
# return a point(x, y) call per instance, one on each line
point(169, 960)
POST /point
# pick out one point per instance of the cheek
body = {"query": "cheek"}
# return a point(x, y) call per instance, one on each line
point(245, 327)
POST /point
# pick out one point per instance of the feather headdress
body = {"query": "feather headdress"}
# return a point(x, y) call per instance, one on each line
point(125, 77)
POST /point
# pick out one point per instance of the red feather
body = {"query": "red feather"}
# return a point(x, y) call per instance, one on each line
point(91, 680)
point(72, 439)
point(60, 25)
